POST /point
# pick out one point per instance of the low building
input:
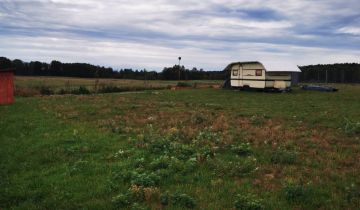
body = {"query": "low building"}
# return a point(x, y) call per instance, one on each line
point(6, 86)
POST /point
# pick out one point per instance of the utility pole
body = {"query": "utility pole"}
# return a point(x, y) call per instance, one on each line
point(179, 66)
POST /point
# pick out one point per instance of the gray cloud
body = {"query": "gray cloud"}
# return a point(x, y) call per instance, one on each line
point(152, 34)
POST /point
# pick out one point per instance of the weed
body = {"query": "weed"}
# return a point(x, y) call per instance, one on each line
point(258, 119)
point(159, 146)
point(352, 193)
point(122, 154)
point(162, 162)
point(296, 192)
point(243, 149)
point(207, 137)
point(183, 152)
point(198, 118)
point(244, 167)
point(78, 167)
point(205, 153)
point(145, 179)
point(248, 202)
point(351, 128)
point(137, 206)
point(183, 200)
point(164, 199)
point(122, 200)
point(282, 156)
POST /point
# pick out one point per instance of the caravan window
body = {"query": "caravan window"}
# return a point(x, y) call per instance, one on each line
point(258, 72)
point(235, 72)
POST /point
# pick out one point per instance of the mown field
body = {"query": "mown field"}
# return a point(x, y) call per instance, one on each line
point(183, 149)
point(32, 85)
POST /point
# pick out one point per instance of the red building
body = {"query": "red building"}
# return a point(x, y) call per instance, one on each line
point(6, 86)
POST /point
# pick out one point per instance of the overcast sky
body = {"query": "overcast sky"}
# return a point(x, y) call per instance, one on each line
point(208, 34)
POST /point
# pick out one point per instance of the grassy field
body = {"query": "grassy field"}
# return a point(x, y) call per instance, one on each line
point(193, 148)
point(57, 83)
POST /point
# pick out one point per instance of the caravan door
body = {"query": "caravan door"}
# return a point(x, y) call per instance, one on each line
point(235, 76)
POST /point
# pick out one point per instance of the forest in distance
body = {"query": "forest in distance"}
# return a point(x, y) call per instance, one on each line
point(333, 73)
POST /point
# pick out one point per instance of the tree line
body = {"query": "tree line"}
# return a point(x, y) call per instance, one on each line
point(85, 70)
point(331, 73)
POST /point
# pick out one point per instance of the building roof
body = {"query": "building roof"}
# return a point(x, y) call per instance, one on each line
point(270, 66)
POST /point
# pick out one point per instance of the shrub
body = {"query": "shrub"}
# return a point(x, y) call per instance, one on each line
point(183, 84)
point(242, 149)
point(248, 202)
point(45, 90)
point(282, 156)
point(81, 91)
point(62, 91)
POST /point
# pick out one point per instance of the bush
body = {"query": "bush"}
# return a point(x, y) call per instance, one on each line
point(282, 156)
point(81, 91)
point(248, 202)
point(183, 84)
point(62, 91)
point(45, 90)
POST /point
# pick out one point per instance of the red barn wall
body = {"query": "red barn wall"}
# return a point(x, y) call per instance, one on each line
point(6, 87)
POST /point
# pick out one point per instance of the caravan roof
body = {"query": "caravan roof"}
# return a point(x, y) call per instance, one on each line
point(271, 66)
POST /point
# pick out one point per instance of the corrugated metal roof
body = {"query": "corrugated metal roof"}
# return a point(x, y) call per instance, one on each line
point(280, 66)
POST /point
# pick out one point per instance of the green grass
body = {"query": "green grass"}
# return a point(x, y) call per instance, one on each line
point(197, 148)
